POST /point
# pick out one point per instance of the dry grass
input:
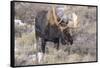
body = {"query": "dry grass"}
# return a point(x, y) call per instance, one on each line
point(82, 50)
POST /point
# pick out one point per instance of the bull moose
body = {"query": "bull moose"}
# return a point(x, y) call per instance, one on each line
point(50, 27)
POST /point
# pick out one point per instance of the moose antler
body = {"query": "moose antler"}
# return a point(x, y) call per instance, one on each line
point(73, 24)
point(54, 14)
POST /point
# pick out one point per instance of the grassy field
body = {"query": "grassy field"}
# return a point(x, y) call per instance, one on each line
point(82, 50)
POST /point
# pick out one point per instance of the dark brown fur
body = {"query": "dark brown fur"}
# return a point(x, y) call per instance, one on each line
point(48, 30)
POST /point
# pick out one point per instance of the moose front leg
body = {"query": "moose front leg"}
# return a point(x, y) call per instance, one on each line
point(56, 42)
point(70, 39)
point(57, 45)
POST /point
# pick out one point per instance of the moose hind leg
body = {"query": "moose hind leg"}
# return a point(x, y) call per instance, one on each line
point(43, 45)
